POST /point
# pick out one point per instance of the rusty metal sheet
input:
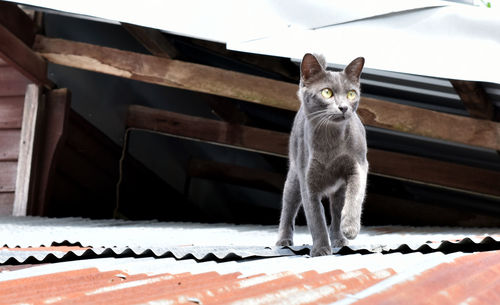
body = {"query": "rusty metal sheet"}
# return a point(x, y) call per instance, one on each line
point(469, 278)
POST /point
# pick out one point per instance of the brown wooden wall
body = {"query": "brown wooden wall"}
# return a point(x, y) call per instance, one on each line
point(12, 90)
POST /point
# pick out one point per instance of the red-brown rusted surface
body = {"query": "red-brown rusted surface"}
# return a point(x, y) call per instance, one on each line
point(472, 279)
point(469, 279)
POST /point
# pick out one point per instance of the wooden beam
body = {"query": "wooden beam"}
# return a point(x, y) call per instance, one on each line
point(28, 150)
point(17, 22)
point(9, 144)
point(390, 164)
point(234, 174)
point(152, 39)
point(53, 135)
point(166, 72)
point(20, 56)
point(432, 124)
point(11, 112)
point(263, 91)
point(434, 172)
point(157, 44)
point(475, 100)
point(212, 131)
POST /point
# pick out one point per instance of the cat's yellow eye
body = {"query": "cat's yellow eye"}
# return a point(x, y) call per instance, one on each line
point(351, 94)
point(327, 93)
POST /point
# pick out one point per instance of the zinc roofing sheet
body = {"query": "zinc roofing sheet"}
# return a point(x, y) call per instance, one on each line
point(416, 278)
point(118, 238)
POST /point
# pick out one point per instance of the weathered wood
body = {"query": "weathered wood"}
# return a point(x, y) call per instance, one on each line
point(434, 172)
point(9, 144)
point(20, 56)
point(28, 149)
point(16, 21)
point(172, 73)
point(395, 165)
point(212, 131)
point(474, 98)
point(234, 174)
point(429, 123)
point(52, 134)
point(8, 171)
point(12, 83)
point(6, 203)
point(152, 39)
point(263, 91)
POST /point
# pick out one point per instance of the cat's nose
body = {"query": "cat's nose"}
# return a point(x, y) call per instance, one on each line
point(343, 108)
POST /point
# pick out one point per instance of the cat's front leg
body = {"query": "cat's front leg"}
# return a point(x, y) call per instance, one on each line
point(337, 200)
point(289, 209)
point(354, 196)
point(316, 222)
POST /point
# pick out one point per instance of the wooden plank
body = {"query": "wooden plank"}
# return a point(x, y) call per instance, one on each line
point(474, 98)
point(396, 165)
point(429, 123)
point(11, 112)
point(234, 174)
point(20, 56)
point(28, 150)
point(434, 172)
point(152, 39)
point(53, 135)
point(263, 91)
point(6, 203)
point(17, 22)
point(8, 171)
point(212, 131)
point(12, 83)
point(9, 144)
point(167, 72)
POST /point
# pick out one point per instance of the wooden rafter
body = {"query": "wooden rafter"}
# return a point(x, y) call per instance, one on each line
point(22, 58)
point(474, 98)
point(17, 22)
point(200, 78)
point(406, 167)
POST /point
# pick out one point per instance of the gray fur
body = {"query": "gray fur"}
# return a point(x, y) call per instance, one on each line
point(327, 157)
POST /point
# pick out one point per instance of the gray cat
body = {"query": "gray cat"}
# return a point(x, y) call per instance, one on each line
point(327, 156)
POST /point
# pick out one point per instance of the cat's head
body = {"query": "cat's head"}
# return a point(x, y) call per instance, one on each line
point(328, 95)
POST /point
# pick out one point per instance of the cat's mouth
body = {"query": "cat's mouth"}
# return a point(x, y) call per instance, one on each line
point(339, 118)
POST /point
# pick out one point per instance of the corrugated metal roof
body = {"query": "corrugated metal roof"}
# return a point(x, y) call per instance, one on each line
point(366, 279)
point(119, 238)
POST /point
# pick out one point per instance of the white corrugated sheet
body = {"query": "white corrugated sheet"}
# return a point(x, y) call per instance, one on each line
point(432, 38)
point(211, 241)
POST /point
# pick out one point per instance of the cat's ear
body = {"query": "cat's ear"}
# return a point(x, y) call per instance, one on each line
point(310, 68)
point(353, 70)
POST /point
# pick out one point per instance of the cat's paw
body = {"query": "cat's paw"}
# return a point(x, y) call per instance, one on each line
point(321, 251)
point(350, 229)
point(339, 242)
point(284, 242)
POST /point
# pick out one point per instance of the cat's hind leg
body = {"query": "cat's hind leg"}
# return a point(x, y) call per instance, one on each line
point(337, 200)
point(290, 207)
